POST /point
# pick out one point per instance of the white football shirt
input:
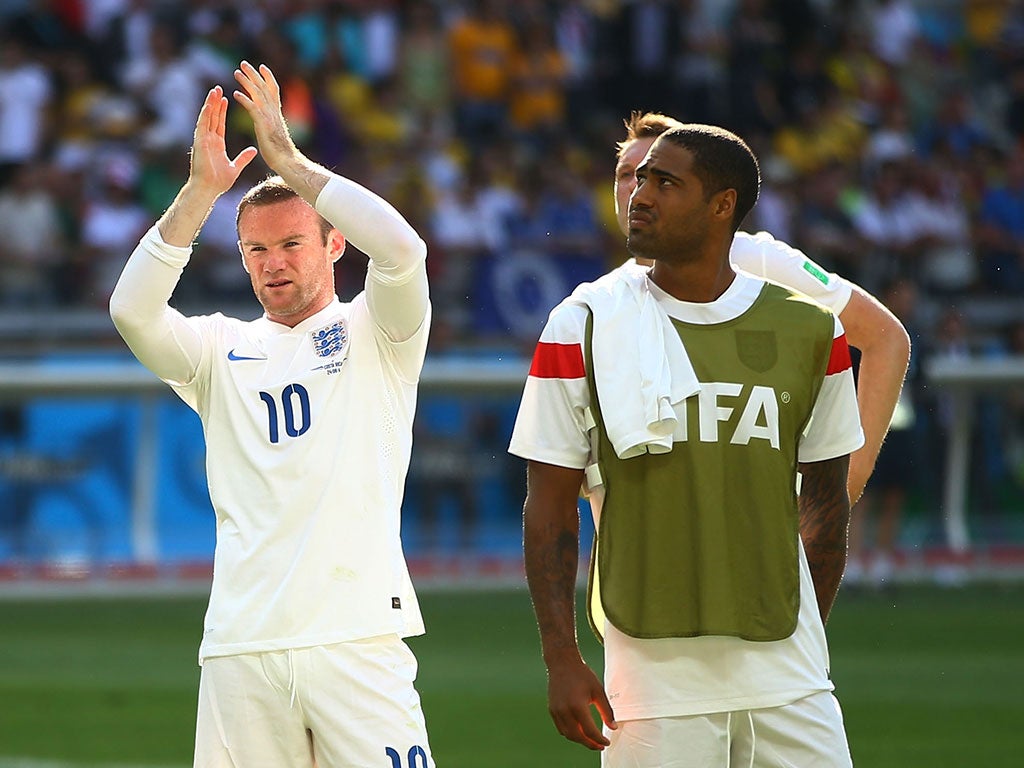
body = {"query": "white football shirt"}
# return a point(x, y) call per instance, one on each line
point(308, 433)
point(763, 256)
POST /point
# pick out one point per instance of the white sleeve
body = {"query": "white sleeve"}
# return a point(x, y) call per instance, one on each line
point(764, 256)
point(159, 336)
point(396, 279)
point(834, 427)
point(551, 424)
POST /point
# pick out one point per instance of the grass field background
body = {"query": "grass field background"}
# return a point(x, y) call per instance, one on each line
point(926, 676)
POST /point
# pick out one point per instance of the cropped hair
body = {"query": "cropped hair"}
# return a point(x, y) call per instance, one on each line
point(272, 190)
point(645, 125)
point(721, 160)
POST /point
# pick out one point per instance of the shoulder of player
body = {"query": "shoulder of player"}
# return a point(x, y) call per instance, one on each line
point(800, 306)
point(763, 255)
point(566, 324)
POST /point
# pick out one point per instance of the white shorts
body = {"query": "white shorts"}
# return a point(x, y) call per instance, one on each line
point(335, 706)
point(808, 733)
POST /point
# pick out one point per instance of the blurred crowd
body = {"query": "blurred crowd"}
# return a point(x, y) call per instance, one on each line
point(890, 134)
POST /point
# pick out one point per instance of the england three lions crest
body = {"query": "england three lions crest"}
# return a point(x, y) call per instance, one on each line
point(330, 340)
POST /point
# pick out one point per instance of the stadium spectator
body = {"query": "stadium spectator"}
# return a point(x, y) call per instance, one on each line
point(25, 97)
point(424, 69)
point(753, 64)
point(643, 45)
point(31, 243)
point(824, 224)
point(862, 78)
point(576, 30)
point(946, 262)
point(82, 109)
point(1000, 234)
point(381, 27)
point(309, 568)
point(482, 43)
point(894, 28)
point(700, 69)
point(112, 222)
point(167, 82)
point(776, 205)
point(683, 662)
point(465, 235)
point(892, 140)
point(956, 126)
point(537, 85)
point(823, 132)
point(889, 227)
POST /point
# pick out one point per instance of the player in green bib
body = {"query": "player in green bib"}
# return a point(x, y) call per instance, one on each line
point(690, 401)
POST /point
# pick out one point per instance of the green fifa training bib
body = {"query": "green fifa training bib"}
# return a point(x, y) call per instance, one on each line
point(703, 540)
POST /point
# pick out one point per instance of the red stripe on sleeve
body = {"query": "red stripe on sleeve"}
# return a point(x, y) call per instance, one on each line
point(558, 361)
point(839, 359)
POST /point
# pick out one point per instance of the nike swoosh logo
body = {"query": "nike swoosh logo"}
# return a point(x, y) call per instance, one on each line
point(233, 356)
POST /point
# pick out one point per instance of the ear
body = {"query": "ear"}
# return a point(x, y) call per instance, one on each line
point(723, 204)
point(336, 244)
point(242, 254)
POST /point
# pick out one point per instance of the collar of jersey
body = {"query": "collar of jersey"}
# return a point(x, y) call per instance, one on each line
point(313, 321)
point(736, 300)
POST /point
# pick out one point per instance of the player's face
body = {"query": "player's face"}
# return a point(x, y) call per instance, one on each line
point(289, 265)
point(669, 216)
point(625, 178)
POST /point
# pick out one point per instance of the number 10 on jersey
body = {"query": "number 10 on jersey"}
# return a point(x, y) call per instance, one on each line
point(292, 407)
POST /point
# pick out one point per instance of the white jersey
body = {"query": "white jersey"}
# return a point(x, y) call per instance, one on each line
point(308, 433)
point(674, 677)
point(763, 256)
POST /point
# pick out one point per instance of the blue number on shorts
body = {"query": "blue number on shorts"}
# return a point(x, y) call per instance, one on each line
point(417, 757)
point(288, 406)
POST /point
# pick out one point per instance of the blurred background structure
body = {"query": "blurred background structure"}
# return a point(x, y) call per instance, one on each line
point(891, 138)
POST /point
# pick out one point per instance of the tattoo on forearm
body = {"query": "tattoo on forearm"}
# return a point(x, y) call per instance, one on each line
point(551, 564)
point(563, 560)
point(824, 523)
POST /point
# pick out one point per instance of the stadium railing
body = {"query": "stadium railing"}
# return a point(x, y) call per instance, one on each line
point(964, 380)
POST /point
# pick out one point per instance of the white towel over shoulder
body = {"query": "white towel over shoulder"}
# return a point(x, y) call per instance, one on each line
point(640, 365)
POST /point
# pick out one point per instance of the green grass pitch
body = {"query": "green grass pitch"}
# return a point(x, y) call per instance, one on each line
point(926, 676)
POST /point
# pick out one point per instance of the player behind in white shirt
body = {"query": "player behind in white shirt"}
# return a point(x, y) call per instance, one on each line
point(870, 327)
point(307, 413)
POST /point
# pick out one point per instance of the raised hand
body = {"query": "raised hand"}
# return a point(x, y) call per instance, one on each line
point(261, 98)
point(211, 169)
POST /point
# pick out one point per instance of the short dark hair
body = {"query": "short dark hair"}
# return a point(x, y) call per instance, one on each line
point(274, 189)
point(645, 125)
point(721, 160)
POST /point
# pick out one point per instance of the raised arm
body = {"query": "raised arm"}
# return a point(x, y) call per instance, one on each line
point(261, 98)
point(211, 174)
point(824, 524)
point(397, 285)
point(884, 355)
point(551, 547)
point(158, 335)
